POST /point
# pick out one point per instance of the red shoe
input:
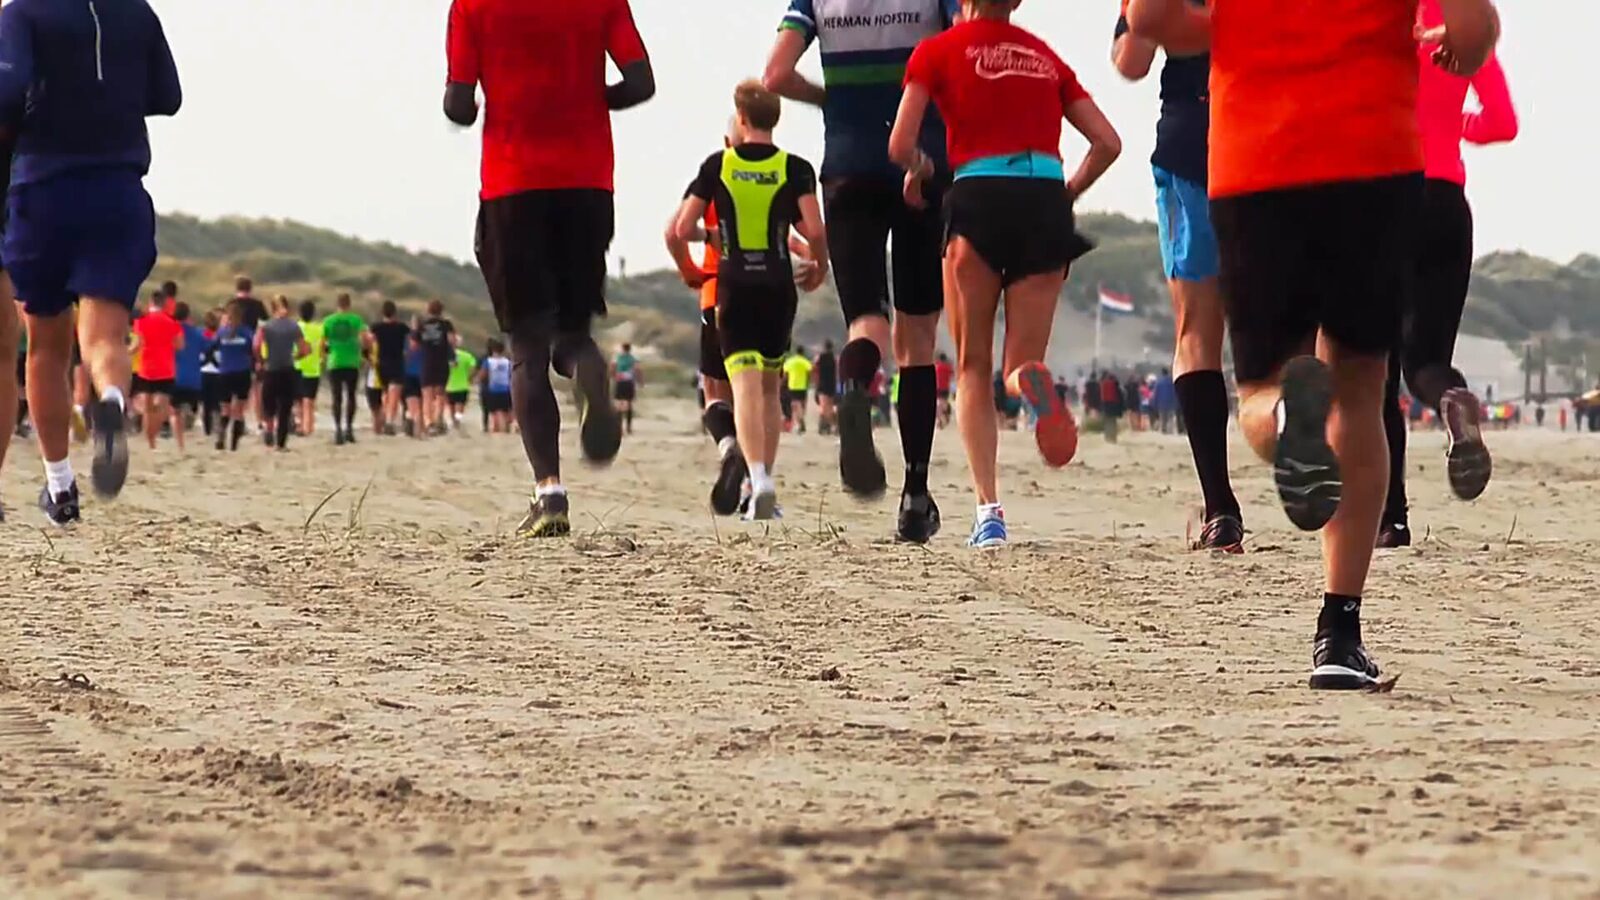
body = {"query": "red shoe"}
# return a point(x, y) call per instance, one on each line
point(1055, 430)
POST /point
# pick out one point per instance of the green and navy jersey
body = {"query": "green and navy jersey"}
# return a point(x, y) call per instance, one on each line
point(865, 45)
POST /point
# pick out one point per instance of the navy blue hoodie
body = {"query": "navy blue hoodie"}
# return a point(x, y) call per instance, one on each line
point(77, 79)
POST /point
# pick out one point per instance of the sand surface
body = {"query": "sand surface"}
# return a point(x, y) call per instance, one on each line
point(213, 688)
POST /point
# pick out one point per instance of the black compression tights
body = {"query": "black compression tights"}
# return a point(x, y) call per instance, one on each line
point(533, 354)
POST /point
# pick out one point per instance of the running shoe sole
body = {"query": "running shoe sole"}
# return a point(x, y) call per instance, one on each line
point(726, 492)
point(600, 430)
point(860, 466)
point(109, 471)
point(1340, 678)
point(1055, 431)
point(764, 507)
point(928, 529)
point(1305, 469)
point(548, 526)
point(1468, 461)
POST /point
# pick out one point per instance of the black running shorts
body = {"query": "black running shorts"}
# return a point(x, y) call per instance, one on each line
point(185, 398)
point(1336, 257)
point(863, 216)
point(374, 398)
point(1020, 226)
point(232, 386)
point(543, 255)
point(755, 323)
point(625, 391)
point(162, 387)
point(459, 398)
point(309, 387)
point(712, 362)
point(412, 388)
point(435, 373)
point(497, 403)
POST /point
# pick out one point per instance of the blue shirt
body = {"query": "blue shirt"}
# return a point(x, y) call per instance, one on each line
point(1181, 132)
point(77, 80)
point(414, 362)
point(865, 47)
point(233, 349)
point(194, 347)
point(498, 381)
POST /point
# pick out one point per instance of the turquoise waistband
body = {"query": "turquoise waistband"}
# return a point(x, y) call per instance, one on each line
point(1032, 164)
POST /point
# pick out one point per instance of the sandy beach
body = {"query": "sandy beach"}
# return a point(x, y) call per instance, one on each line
point(335, 673)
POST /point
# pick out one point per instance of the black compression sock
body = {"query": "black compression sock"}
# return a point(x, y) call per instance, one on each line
point(918, 414)
point(1340, 613)
point(858, 363)
point(718, 419)
point(1394, 427)
point(238, 432)
point(1203, 402)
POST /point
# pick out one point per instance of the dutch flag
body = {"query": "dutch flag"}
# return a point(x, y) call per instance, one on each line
point(1111, 301)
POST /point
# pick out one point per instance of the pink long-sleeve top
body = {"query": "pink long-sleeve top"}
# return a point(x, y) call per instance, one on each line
point(1441, 107)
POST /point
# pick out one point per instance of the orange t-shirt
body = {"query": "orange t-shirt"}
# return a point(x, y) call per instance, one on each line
point(708, 263)
point(1305, 93)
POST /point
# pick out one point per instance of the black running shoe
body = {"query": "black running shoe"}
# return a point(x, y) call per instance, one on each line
point(1340, 663)
point(1223, 533)
point(725, 493)
point(2, 513)
point(599, 426)
point(349, 437)
point(860, 466)
point(1467, 459)
point(919, 519)
point(1393, 536)
point(547, 517)
point(1306, 471)
point(61, 508)
point(109, 472)
point(338, 439)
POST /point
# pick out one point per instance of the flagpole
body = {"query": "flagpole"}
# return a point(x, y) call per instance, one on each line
point(1099, 310)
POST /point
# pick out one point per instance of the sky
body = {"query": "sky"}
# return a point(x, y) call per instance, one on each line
point(328, 112)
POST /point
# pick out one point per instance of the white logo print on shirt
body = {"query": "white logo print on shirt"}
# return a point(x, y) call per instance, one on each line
point(996, 61)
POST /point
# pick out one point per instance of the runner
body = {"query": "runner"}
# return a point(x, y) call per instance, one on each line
point(864, 47)
point(1004, 94)
point(1444, 271)
point(210, 392)
point(625, 379)
point(944, 378)
point(459, 388)
point(716, 395)
point(186, 386)
point(547, 213)
point(495, 378)
point(411, 390)
point(253, 313)
point(1315, 176)
point(1189, 261)
point(157, 338)
point(391, 339)
point(309, 382)
point(344, 336)
point(826, 369)
point(13, 360)
point(234, 350)
point(375, 392)
point(82, 152)
point(761, 193)
point(436, 337)
point(797, 376)
point(282, 344)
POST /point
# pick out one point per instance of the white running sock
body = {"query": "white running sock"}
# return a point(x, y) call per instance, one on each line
point(114, 395)
point(760, 481)
point(58, 476)
point(550, 490)
point(990, 511)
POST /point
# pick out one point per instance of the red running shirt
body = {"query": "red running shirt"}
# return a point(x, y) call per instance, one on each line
point(1442, 99)
point(1000, 89)
point(542, 66)
point(158, 346)
point(943, 375)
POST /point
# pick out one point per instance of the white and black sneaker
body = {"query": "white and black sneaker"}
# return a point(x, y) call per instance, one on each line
point(727, 491)
point(1305, 468)
point(60, 508)
point(1340, 663)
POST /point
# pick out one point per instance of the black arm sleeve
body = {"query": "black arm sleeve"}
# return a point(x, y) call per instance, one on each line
point(638, 84)
point(704, 185)
point(461, 104)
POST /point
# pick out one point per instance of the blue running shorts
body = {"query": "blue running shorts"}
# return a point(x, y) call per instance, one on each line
point(1183, 217)
point(80, 234)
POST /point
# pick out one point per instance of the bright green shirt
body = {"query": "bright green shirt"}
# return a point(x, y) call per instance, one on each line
point(310, 365)
point(798, 371)
point(343, 333)
point(461, 373)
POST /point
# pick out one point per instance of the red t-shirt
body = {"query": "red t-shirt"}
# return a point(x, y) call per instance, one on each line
point(1308, 93)
point(1000, 90)
point(943, 374)
point(158, 346)
point(542, 66)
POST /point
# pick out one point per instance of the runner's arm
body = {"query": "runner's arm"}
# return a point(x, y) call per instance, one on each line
point(1178, 26)
point(782, 76)
point(626, 49)
point(678, 249)
point(815, 232)
point(1471, 29)
point(166, 92)
point(461, 50)
point(1132, 56)
point(16, 64)
point(903, 147)
point(1495, 122)
point(1105, 145)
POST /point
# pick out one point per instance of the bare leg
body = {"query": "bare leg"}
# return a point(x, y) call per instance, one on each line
point(972, 296)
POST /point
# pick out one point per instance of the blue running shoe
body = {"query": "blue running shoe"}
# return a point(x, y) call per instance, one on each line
point(988, 531)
